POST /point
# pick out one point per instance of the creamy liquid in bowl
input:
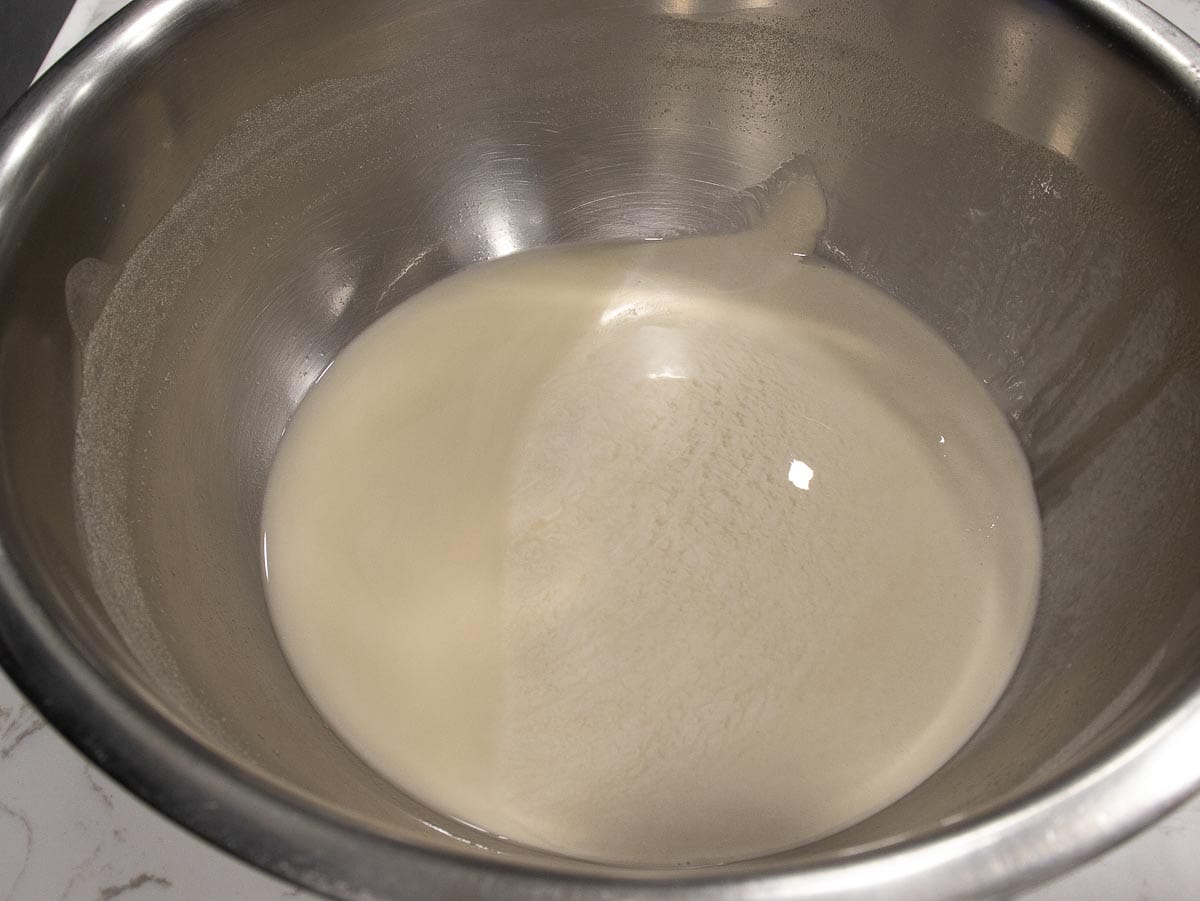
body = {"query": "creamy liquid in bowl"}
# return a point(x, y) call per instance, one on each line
point(667, 553)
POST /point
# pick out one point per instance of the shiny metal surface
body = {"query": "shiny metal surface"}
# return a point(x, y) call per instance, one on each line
point(200, 207)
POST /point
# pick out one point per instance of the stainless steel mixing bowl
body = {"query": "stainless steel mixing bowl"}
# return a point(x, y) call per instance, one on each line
point(208, 200)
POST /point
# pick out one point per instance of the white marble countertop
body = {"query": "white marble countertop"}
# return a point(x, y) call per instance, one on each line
point(67, 831)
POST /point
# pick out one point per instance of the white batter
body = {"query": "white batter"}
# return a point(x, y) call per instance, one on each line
point(664, 554)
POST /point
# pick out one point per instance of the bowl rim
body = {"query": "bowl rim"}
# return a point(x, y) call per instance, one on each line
point(1038, 835)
